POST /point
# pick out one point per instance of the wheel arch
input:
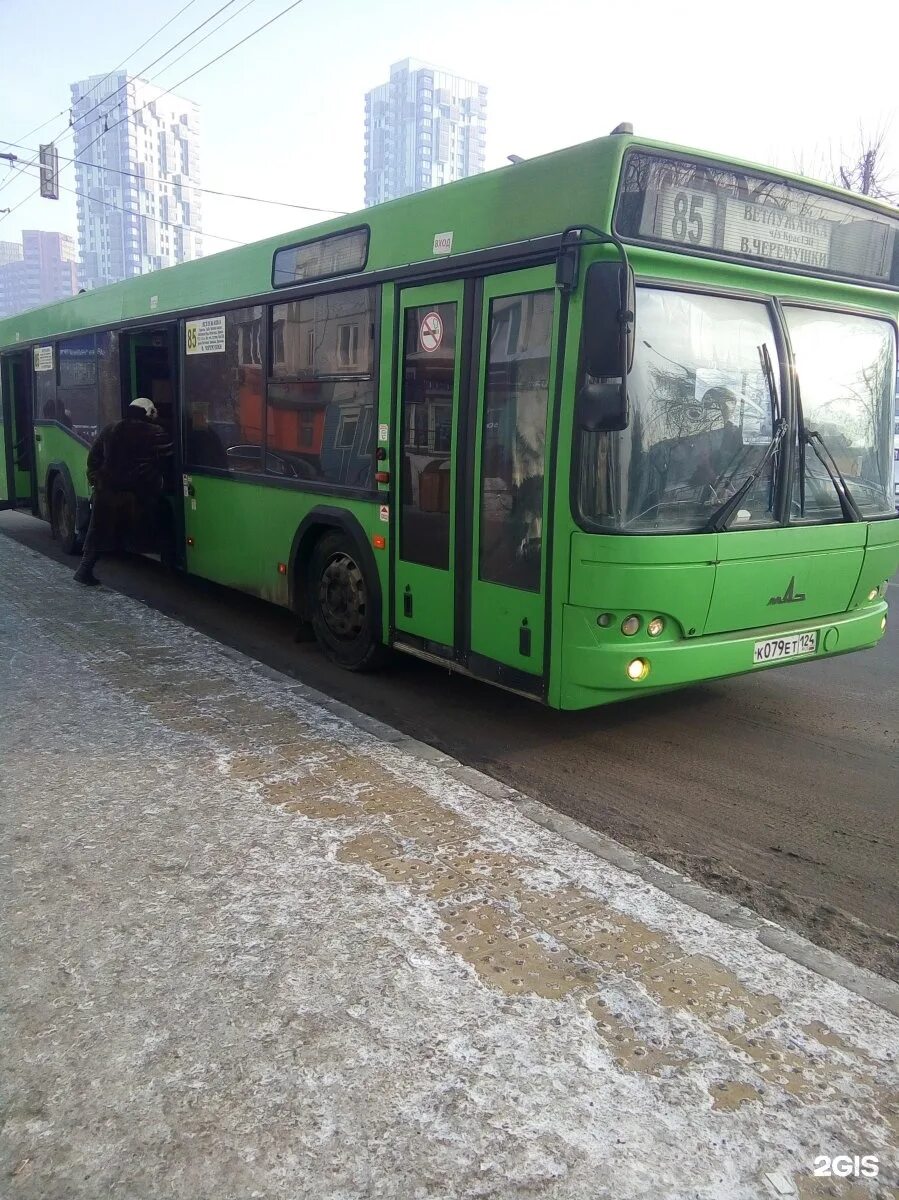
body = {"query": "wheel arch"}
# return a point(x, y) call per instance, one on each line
point(321, 520)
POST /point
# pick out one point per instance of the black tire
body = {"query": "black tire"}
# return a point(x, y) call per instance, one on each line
point(62, 519)
point(340, 607)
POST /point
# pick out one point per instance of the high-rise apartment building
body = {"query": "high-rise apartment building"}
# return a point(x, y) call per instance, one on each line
point(423, 128)
point(10, 252)
point(44, 270)
point(137, 170)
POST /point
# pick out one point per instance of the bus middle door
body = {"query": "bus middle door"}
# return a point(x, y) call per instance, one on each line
point(429, 366)
point(515, 384)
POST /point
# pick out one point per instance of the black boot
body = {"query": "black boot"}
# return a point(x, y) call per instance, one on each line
point(85, 573)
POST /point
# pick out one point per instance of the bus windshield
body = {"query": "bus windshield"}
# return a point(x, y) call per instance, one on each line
point(704, 408)
point(846, 365)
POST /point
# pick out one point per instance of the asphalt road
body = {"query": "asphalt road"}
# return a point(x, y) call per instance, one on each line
point(779, 788)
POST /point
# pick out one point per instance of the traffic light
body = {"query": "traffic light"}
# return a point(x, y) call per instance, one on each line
point(49, 164)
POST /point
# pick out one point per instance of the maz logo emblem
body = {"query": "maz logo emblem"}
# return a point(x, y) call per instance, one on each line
point(789, 596)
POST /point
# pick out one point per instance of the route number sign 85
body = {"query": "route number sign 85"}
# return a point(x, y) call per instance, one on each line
point(686, 216)
point(686, 224)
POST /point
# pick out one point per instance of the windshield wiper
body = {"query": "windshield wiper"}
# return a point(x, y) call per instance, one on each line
point(717, 522)
point(811, 437)
point(720, 517)
point(851, 511)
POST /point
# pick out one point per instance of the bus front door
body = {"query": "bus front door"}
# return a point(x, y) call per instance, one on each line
point(476, 376)
point(516, 367)
point(428, 388)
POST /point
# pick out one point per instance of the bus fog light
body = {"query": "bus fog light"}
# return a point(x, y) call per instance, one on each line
point(637, 669)
point(883, 624)
point(630, 625)
point(874, 593)
point(655, 626)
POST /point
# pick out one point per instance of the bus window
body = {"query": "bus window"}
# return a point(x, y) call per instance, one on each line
point(321, 391)
point(223, 391)
point(76, 403)
point(513, 443)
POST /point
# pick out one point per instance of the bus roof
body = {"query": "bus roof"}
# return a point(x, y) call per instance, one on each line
point(512, 204)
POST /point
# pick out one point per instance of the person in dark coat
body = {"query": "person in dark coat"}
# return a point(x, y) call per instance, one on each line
point(125, 468)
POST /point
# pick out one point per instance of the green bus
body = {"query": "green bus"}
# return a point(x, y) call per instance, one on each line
point(594, 425)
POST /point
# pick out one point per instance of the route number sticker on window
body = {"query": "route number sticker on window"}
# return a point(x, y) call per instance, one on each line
point(206, 336)
point(430, 333)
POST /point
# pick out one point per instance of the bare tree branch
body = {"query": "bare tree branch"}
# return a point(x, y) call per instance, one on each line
point(862, 167)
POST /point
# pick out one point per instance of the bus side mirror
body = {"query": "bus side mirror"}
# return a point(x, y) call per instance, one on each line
point(607, 348)
point(601, 406)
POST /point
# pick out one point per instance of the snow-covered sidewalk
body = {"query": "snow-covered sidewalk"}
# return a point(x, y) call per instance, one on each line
point(249, 949)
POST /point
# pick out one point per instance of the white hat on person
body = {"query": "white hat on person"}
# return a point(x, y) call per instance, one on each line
point(146, 405)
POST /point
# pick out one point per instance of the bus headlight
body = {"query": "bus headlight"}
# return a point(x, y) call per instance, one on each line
point(637, 669)
point(655, 626)
point(630, 625)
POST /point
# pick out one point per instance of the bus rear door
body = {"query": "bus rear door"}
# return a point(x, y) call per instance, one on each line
point(16, 432)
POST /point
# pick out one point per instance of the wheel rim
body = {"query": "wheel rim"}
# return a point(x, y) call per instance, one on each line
point(65, 525)
point(342, 598)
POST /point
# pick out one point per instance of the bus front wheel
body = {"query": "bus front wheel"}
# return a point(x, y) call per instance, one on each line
point(340, 605)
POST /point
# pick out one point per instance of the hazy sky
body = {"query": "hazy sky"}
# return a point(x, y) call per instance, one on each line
point(775, 81)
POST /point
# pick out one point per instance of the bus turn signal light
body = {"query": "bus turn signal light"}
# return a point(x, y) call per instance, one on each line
point(382, 477)
point(379, 541)
point(630, 625)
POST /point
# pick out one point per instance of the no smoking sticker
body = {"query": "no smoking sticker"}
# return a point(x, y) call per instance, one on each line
point(430, 332)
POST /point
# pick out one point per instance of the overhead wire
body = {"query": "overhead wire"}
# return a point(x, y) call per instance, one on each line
point(140, 74)
point(148, 217)
point(62, 112)
point(191, 186)
point(193, 74)
point(168, 91)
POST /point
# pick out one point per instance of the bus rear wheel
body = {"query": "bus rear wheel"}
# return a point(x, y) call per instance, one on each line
point(340, 606)
point(62, 519)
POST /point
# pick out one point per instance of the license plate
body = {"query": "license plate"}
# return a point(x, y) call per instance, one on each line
point(791, 645)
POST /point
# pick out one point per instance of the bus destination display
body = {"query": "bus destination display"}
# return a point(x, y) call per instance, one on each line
point(705, 207)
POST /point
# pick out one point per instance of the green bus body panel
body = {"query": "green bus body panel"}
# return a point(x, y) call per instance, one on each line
point(242, 531)
point(881, 559)
point(757, 567)
point(594, 668)
point(57, 445)
point(671, 577)
point(715, 599)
